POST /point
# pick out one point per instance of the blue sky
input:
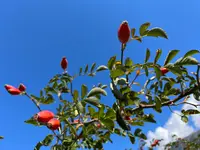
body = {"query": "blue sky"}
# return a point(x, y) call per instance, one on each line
point(34, 35)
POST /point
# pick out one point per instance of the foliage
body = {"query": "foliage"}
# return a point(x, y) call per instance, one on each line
point(97, 121)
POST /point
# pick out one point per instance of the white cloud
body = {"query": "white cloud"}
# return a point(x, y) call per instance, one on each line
point(174, 125)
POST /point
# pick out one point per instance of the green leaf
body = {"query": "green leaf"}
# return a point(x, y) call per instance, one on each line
point(121, 81)
point(184, 119)
point(196, 95)
point(48, 100)
point(191, 52)
point(142, 136)
point(137, 131)
point(92, 68)
point(190, 112)
point(157, 32)
point(93, 101)
point(170, 56)
point(101, 68)
point(143, 28)
point(80, 107)
point(111, 62)
point(158, 54)
point(35, 97)
point(147, 55)
point(91, 110)
point(174, 69)
point(132, 138)
point(158, 72)
point(132, 32)
point(128, 62)
point(116, 73)
point(149, 118)
point(32, 121)
point(158, 104)
point(108, 123)
point(121, 122)
point(38, 146)
point(86, 69)
point(186, 61)
point(84, 91)
point(110, 114)
point(48, 139)
point(1, 137)
point(96, 91)
point(80, 71)
point(75, 95)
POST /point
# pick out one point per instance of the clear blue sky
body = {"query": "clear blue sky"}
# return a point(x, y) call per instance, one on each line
point(35, 34)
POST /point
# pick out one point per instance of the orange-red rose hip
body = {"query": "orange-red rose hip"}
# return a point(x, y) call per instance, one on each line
point(53, 124)
point(44, 116)
point(124, 32)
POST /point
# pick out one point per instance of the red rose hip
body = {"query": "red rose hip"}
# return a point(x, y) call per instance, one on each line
point(53, 124)
point(44, 116)
point(124, 32)
point(22, 87)
point(64, 63)
point(14, 91)
point(164, 70)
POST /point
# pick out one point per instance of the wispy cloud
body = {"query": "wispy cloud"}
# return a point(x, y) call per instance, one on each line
point(175, 125)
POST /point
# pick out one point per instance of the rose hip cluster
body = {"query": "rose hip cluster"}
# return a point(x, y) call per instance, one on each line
point(47, 117)
point(124, 33)
point(15, 91)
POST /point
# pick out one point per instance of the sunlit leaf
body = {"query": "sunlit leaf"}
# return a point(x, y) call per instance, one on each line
point(170, 56)
point(143, 28)
point(157, 32)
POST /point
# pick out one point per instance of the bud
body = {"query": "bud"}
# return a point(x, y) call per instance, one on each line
point(124, 32)
point(64, 63)
point(22, 87)
point(53, 124)
point(138, 72)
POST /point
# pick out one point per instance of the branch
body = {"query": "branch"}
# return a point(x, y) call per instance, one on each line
point(182, 95)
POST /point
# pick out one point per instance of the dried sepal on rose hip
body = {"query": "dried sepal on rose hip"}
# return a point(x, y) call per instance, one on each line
point(53, 124)
point(44, 116)
point(164, 70)
point(64, 63)
point(124, 32)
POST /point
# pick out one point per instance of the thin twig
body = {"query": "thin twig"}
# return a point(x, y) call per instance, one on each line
point(34, 101)
point(173, 111)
